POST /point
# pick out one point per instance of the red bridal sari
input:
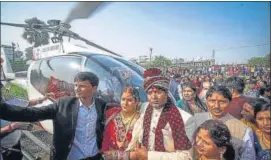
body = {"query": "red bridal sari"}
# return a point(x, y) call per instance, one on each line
point(116, 136)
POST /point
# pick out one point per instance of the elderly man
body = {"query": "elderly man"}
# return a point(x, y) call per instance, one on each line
point(160, 128)
point(218, 99)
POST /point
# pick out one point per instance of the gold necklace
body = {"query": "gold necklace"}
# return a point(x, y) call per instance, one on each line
point(130, 119)
point(264, 143)
point(127, 121)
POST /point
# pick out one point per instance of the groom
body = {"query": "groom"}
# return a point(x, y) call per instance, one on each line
point(160, 128)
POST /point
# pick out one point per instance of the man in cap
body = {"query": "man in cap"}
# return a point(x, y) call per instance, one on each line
point(159, 133)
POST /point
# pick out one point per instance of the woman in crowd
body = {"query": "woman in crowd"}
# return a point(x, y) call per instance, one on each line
point(197, 82)
point(207, 78)
point(191, 102)
point(211, 141)
point(205, 85)
point(119, 126)
point(262, 117)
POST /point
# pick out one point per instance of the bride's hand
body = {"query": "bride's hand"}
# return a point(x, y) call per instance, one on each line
point(109, 155)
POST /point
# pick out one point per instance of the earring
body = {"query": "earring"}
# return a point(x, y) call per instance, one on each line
point(221, 156)
point(137, 106)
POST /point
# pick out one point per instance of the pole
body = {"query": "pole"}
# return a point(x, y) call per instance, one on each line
point(150, 53)
point(13, 51)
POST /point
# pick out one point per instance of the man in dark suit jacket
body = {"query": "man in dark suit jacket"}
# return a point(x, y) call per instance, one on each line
point(78, 121)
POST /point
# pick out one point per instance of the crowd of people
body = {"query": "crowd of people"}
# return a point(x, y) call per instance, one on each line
point(227, 70)
point(187, 116)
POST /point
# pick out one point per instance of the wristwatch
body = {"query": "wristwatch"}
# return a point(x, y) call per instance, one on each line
point(40, 100)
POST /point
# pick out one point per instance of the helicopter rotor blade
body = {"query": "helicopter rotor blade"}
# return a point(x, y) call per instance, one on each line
point(27, 26)
point(97, 46)
point(82, 10)
point(15, 25)
point(71, 34)
point(100, 47)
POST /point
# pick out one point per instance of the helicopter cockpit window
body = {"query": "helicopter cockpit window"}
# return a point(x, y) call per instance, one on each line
point(57, 75)
point(135, 67)
point(114, 77)
point(108, 88)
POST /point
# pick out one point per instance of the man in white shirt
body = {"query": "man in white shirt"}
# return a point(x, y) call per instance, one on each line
point(160, 128)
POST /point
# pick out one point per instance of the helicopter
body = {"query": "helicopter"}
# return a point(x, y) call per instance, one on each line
point(54, 66)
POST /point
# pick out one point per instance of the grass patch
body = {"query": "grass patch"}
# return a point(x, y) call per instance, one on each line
point(11, 90)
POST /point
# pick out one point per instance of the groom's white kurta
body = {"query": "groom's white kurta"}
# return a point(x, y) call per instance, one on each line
point(171, 153)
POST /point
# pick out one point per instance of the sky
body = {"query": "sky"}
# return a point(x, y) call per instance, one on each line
point(186, 30)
